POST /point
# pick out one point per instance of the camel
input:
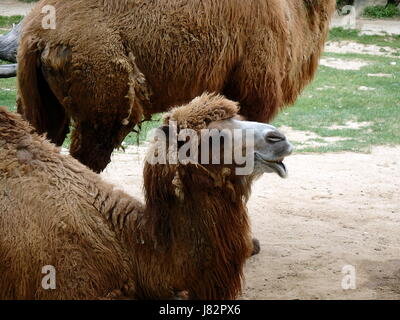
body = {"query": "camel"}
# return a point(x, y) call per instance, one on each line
point(190, 238)
point(109, 64)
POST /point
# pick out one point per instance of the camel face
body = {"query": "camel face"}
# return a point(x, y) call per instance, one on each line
point(269, 146)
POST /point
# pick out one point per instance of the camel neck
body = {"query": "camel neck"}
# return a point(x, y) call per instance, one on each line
point(204, 227)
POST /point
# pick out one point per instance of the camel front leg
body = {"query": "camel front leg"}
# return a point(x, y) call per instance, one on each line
point(93, 145)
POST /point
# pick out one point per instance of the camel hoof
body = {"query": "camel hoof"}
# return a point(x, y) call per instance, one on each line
point(256, 247)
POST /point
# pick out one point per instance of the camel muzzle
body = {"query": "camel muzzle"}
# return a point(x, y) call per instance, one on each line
point(272, 148)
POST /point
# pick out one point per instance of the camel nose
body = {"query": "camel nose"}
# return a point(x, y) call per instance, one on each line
point(274, 137)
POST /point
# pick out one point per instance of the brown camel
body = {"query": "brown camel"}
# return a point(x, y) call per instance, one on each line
point(192, 235)
point(109, 63)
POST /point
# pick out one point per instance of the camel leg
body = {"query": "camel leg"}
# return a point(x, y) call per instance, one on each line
point(259, 105)
point(48, 116)
point(93, 145)
point(54, 123)
point(58, 130)
point(256, 86)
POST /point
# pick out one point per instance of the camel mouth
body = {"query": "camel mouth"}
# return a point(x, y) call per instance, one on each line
point(276, 166)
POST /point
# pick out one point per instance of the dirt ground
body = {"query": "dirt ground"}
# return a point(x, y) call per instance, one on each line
point(378, 27)
point(334, 210)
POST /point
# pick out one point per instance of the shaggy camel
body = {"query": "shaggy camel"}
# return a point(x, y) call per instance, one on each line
point(192, 235)
point(109, 63)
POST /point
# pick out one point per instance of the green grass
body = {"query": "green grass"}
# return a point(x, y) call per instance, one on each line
point(8, 93)
point(317, 110)
point(379, 12)
point(339, 34)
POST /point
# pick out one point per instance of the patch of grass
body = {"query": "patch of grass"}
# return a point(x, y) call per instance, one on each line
point(379, 12)
point(339, 34)
point(8, 93)
point(317, 110)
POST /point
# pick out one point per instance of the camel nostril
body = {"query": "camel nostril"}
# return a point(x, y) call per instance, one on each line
point(274, 137)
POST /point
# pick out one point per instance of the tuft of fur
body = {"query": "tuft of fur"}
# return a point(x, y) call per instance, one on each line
point(105, 244)
point(111, 62)
point(201, 111)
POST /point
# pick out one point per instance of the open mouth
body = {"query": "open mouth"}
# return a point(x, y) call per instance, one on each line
point(276, 165)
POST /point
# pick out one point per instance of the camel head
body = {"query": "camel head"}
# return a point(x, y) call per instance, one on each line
point(210, 135)
point(267, 146)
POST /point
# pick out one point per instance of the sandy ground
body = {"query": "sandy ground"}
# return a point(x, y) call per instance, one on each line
point(345, 47)
point(379, 27)
point(368, 26)
point(343, 64)
point(334, 210)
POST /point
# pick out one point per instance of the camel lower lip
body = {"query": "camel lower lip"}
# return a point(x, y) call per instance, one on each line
point(276, 165)
point(279, 168)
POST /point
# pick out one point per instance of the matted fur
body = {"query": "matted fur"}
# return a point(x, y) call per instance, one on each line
point(106, 244)
point(109, 62)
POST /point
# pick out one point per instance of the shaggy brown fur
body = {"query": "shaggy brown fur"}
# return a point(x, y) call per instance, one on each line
point(192, 235)
point(109, 62)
